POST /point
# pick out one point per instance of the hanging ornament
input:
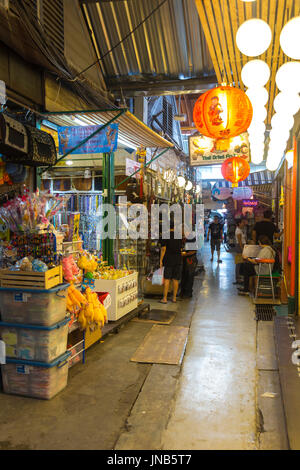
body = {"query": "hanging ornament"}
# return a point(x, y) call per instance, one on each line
point(235, 169)
point(223, 112)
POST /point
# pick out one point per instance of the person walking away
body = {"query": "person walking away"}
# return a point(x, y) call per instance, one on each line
point(189, 257)
point(215, 231)
point(171, 259)
point(265, 227)
point(250, 268)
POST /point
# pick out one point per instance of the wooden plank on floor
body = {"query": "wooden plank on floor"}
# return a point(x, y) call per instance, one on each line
point(162, 345)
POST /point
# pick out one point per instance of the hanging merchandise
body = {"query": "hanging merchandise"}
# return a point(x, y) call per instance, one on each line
point(235, 169)
point(14, 138)
point(223, 112)
point(26, 144)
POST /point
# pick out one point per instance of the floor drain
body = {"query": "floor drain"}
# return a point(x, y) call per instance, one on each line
point(264, 312)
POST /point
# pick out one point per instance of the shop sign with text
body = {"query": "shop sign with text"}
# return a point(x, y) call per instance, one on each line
point(104, 141)
point(206, 151)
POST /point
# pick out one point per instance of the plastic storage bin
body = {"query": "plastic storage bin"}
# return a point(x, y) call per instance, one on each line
point(35, 379)
point(33, 307)
point(35, 343)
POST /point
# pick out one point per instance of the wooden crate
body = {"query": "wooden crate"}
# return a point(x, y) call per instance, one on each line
point(30, 279)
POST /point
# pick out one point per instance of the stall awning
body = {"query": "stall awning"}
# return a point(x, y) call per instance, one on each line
point(132, 132)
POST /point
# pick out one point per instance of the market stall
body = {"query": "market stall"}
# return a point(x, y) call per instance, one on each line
point(60, 286)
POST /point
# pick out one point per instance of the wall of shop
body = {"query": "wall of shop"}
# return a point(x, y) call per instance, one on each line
point(23, 81)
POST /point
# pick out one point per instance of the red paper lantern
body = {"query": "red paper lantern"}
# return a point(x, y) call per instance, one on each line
point(223, 112)
point(235, 169)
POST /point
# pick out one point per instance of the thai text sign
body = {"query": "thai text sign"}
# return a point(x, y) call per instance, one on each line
point(104, 141)
point(206, 151)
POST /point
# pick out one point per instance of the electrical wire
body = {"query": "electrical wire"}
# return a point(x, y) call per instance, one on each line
point(121, 41)
point(34, 27)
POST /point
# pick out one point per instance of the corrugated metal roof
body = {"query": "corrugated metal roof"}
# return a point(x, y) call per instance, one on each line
point(170, 44)
point(132, 131)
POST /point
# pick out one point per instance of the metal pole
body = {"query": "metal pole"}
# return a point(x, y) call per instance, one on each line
point(139, 169)
point(86, 140)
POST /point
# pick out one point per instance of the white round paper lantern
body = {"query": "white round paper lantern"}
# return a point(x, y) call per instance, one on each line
point(189, 186)
point(181, 181)
point(259, 113)
point(272, 165)
point(257, 157)
point(253, 37)
point(288, 77)
point(289, 156)
point(282, 122)
point(256, 139)
point(279, 136)
point(257, 127)
point(255, 73)
point(258, 96)
point(287, 103)
point(290, 38)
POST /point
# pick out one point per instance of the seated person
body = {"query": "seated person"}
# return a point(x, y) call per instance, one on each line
point(249, 269)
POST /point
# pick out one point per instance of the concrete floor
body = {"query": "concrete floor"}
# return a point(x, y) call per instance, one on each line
point(212, 401)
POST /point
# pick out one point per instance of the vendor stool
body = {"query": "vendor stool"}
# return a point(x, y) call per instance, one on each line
point(270, 263)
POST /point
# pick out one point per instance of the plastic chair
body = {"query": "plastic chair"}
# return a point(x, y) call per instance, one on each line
point(270, 263)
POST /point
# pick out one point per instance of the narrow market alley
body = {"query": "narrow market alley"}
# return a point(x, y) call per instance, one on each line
point(212, 401)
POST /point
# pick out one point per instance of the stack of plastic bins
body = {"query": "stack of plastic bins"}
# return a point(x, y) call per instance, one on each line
point(34, 328)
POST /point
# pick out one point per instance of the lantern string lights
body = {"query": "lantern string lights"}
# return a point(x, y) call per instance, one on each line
point(253, 38)
point(286, 104)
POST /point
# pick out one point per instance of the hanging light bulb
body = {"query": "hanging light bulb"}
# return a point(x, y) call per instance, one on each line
point(181, 181)
point(287, 103)
point(255, 73)
point(189, 186)
point(290, 38)
point(69, 162)
point(253, 37)
point(288, 77)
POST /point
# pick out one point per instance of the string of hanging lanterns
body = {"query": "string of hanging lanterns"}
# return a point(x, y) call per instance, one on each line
point(253, 38)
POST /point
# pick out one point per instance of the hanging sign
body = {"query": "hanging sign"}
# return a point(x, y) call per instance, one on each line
point(242, 193)
point(221, 193)
point(104, 142)
point(206, 151)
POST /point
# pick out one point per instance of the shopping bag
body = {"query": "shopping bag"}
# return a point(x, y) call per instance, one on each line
point(158, 277)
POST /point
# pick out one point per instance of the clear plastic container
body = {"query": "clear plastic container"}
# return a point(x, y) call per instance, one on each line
point(28, 306)
point(76, 353)
point(35, 379)
point(35, 343)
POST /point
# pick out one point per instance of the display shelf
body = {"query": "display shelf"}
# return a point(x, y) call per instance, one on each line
point(123, 292)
